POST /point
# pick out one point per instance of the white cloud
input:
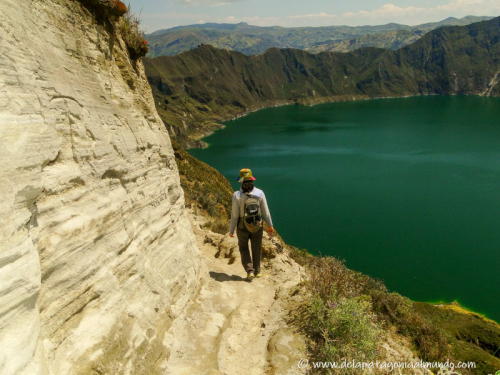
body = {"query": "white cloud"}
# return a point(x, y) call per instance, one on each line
point(170, 16)
point(455, 8)
point(208, 2)
point(388, 11)
point(310, 16)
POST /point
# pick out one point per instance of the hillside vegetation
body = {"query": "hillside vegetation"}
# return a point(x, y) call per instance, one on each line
point(197, 89)
point(253, 40)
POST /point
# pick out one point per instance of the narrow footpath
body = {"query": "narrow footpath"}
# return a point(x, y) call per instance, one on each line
point(235, 326)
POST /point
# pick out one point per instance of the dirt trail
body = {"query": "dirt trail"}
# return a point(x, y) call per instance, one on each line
point(235, 326)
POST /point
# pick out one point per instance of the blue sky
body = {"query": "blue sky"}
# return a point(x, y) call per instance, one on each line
point(163, 14)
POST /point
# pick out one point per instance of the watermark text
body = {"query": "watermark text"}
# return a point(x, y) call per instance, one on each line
point(391, 366)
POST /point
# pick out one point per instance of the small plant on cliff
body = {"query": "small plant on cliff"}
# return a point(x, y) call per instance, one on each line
point(133, 35)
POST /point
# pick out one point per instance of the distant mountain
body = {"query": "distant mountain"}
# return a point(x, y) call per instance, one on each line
point(198, 88)
point(253, 40)
point(392, 39)
point(388, 40)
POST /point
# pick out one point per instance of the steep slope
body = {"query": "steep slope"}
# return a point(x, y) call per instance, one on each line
point(196, 89)
point(253, 40)
point(449, 60)
point(97, 256)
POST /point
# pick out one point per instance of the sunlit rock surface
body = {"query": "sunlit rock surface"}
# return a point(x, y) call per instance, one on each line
point(97, 257)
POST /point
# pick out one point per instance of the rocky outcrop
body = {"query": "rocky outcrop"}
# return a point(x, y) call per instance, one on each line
point(97, 257)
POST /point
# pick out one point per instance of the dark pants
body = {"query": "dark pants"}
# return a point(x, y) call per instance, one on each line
point(256, 244)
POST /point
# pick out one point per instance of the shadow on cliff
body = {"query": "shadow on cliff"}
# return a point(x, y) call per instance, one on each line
point(221, 276)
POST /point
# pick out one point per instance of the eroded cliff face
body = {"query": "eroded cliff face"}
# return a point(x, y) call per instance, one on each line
point(97, 257)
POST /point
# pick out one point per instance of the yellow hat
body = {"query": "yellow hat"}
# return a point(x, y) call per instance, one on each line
point(245, 175)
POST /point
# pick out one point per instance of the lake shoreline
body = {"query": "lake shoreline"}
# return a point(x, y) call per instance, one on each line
point(309, 102)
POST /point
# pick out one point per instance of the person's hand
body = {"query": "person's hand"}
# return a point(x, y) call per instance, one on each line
point(231, 235)
point(270, 230)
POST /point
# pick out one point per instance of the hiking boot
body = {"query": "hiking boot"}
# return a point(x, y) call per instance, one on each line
point(250, 276)
point(258, 274)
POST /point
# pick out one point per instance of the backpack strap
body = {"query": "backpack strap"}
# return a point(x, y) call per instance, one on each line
point(241, 202)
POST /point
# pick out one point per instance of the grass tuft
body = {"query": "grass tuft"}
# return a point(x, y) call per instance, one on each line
point(111, 11)
point(133, 35)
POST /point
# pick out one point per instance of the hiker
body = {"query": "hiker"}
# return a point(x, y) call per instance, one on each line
point(248, 208)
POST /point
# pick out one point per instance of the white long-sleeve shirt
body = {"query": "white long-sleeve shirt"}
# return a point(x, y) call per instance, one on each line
point(238, 203)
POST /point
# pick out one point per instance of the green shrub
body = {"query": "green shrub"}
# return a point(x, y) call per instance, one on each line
point(329, 275)
point(394, 309)
point(340, 329)
point(301, 256)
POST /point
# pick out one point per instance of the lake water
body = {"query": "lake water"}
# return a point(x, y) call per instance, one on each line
point(405, 190)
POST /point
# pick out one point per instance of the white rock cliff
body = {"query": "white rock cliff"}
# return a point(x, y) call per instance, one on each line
point(97, 256)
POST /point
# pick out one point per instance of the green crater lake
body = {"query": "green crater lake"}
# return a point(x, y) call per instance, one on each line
point(406, 190)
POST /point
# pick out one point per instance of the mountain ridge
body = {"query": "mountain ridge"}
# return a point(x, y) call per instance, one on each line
point(212, 85)
point(253, 40)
